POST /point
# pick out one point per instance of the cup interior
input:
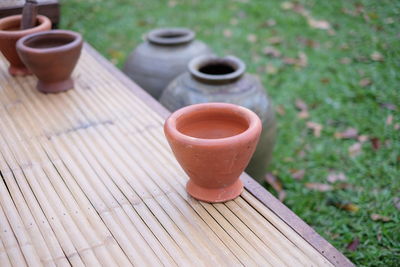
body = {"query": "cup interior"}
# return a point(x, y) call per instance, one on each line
point(51, 40)
point(14, 25)
point(212, 124)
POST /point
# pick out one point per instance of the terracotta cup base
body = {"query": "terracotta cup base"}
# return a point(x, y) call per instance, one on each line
point(215, 195)
point(56, 87)
point(19, 71)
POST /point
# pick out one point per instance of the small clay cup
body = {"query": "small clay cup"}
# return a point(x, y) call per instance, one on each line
point(213, 142)
point(51, 56)
point(10, 33)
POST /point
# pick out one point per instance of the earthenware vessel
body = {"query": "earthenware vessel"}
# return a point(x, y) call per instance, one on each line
point(10, 33)
point(213, 143)
point(163, 56)
point(213, 79)
point(51, 56)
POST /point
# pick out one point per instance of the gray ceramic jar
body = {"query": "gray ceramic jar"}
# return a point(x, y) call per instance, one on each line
point(163, 56)
point(213, 79)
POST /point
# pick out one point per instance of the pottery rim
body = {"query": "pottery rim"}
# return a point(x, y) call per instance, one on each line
point(253, 121)
point(53, 34)
point(235, 68)
point(15, 20)
point(171, 36)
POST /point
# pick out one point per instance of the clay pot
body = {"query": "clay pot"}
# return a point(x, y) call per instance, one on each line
point(213, 79)
point(163, 56)
point(213, 143)
point(51, 56)
point(10, 33)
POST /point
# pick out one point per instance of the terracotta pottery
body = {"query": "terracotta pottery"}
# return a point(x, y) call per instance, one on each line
point(213, 79)
point(10, 33)
point(213, 143)
point(162, 57)
point(51, 56)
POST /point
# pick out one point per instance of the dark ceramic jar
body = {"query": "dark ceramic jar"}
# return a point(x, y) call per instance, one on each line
point(163, 56)
point(213, 79)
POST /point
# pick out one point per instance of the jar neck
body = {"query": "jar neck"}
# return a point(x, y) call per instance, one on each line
point(170, 36)
point(216, 70)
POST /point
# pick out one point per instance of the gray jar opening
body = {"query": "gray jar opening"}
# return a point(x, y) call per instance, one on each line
point(170, 36)
point(215, 70)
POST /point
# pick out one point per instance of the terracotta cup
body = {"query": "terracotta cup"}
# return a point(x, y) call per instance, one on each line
point(51, 56)
point(10, 33)
point(213, 142)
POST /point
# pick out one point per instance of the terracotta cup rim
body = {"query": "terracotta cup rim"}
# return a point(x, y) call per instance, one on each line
point(253, 121)
point(234, 65)
point(171, 36)
point(44, 22)
point(76, 41)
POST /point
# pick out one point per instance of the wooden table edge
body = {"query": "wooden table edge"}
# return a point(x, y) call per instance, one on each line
point(251, 185)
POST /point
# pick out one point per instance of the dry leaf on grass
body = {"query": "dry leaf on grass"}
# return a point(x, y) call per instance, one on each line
point(252, 38)
point(355, 149)
point(389, 119)
point(316, 127)
point(376, 56)
point(378, 217)
point(303, 114)
point(336, 176)
point(389, 106)
point(353, 245)
point(300, 104)
point(365, 82)
point(298, 174)
point(274, 40)
point(363, 138)
point(347, 207)
point(287, 5)
point(396, 202)
point(376, 143)
point(271, 51)
point(172, 3)
point(234, 21)
point(271, 69)
point(301, 61)
point(318, 24)
point(269, 23)
point(227, 33)
point(276, 185)
point(349, 133)
point(345, 60)
point(319, 187)
point(280, 110)
point(274, 182)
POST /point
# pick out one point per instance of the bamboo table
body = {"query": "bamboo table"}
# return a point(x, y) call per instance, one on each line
point(88, 179)
point(49, 8)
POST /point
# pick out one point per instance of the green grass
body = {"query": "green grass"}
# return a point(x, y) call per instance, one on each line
point(331, 90)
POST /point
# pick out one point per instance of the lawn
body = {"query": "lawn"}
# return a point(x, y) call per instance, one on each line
point(332, 70)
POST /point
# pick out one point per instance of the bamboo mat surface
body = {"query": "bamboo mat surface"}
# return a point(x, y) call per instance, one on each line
point(88, 179)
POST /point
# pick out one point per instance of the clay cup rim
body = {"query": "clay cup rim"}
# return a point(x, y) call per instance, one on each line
point(254, 125)
point(15, 21)
point(171, 36)
point(213, 69)
point(75, 41)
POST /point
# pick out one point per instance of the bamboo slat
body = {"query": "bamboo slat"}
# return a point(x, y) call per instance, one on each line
point(89, 179)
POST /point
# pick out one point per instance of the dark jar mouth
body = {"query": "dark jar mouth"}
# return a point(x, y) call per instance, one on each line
point(215, 70)
point(171, 36)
